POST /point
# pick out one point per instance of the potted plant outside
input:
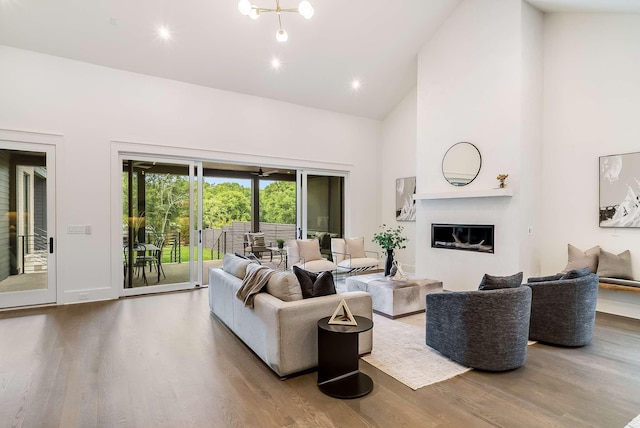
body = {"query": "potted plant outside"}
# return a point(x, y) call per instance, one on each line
point(280, 243)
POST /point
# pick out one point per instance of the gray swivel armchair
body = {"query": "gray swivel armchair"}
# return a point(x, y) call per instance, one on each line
point(563, 311)
point(486, 329)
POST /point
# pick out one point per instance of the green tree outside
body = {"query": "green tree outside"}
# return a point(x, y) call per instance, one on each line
point(224, 203)
point(167, 203)
point(278, 203)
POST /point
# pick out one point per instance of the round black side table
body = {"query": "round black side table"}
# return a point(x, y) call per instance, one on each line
point(338, 373)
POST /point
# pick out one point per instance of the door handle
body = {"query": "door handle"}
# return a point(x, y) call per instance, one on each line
point(50, 245)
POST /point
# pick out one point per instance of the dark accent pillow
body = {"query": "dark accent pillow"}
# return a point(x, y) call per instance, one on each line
point(576, 273)
point(313, 284)
point(490, 282)
point(545, 278)
point(253, 257)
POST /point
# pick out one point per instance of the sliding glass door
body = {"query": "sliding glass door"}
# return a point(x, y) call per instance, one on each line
point(27, 221)
point(180, 214)
point(322, 207)
point(161, 224)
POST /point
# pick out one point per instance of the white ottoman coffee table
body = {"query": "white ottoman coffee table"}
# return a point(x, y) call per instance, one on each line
point(394, 298)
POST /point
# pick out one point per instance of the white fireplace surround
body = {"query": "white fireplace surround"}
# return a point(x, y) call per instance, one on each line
point(476, 193)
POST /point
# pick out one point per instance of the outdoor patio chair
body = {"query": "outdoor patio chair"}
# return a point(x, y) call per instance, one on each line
point(255, 243)
point(154, 257)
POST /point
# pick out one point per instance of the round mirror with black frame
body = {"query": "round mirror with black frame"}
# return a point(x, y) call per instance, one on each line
point(461, 164)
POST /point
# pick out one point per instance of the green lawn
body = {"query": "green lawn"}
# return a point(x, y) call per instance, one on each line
point(184, 255)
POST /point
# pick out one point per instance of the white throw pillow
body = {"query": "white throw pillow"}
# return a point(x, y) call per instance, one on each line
point(309, 249)
point(355, 247)
point(236, 266)
point(285, 286)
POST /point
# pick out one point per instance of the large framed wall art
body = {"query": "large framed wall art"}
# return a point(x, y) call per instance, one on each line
point(619, 190)
point(405, 204)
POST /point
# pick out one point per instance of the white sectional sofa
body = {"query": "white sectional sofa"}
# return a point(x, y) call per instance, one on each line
point(282, 333)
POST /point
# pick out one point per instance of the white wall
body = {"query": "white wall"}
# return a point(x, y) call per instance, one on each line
point(398, 160)
point(591, 105)
point(471, 87)
point(532, 75)
point(93, 106)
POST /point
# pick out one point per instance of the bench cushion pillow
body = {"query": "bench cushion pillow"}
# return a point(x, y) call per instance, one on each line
point(615, 266)
point(579, 259)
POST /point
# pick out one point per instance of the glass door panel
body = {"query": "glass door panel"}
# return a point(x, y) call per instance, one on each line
point(158, 224)
point(27, 182)
point(323, 208)
point(278, 215)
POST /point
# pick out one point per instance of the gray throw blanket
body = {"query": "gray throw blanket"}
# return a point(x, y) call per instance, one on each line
point(256, 278)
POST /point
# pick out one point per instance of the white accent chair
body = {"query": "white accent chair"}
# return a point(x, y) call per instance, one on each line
point(350, 256)
point(305, 253)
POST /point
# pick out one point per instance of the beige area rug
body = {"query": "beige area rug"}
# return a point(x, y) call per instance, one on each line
point(400, 351)
point(635, 423)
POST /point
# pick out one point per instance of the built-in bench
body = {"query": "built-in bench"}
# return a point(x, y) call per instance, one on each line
point(615, 284)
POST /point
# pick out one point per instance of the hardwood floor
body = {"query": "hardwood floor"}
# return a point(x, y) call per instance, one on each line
point(164, 361)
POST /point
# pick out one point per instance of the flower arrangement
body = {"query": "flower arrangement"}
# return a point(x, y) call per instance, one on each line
point(390, 238)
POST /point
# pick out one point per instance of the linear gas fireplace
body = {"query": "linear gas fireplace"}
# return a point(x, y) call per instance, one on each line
point(466, 237)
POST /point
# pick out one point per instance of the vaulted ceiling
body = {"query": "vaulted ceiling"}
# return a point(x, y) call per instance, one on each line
point(213, 45)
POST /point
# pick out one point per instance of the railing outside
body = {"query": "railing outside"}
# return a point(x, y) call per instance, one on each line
point(227, 239)
point(33, 252)
point(230, 238)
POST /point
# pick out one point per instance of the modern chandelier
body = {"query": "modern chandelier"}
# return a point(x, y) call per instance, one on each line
point(252, 11)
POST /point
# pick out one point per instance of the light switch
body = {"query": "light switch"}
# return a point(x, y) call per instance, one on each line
point(78, 229)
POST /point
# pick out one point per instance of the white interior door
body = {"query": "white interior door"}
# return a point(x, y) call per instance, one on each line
point(27, 221)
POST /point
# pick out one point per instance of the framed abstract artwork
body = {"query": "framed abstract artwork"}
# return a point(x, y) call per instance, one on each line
point(619, 190)
point(405, 204)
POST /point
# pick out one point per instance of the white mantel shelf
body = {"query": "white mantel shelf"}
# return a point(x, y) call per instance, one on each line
point(460, 194)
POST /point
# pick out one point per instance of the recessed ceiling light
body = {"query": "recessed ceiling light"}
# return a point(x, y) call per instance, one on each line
point(276, 63)
point(164, 33)
point(355, 84)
